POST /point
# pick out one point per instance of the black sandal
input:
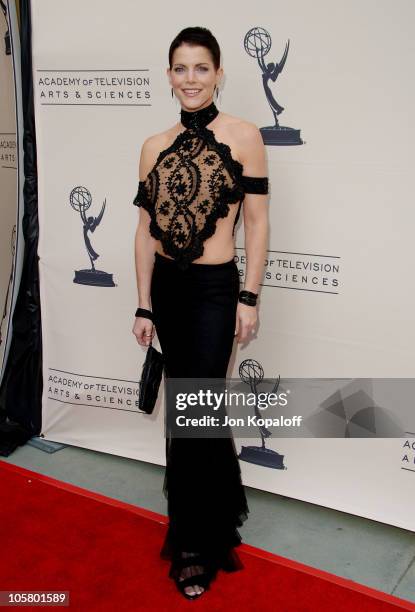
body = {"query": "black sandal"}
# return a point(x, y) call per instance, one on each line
point(202, 578)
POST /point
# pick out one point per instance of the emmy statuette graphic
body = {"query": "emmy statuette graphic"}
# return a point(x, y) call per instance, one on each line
point(7, 48)
point(252, 373)
point(80, 200)
point(257, 44)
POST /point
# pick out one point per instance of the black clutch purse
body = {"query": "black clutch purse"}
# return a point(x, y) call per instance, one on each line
point(150, 379)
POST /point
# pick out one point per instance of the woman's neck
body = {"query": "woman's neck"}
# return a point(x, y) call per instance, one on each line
point(199, 118)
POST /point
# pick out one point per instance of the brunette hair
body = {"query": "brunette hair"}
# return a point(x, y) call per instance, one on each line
point(197, 36)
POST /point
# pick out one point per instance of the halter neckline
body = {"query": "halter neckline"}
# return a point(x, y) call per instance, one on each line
point(199, 118)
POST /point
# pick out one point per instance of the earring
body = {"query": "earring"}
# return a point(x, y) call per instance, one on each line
point(172, 92)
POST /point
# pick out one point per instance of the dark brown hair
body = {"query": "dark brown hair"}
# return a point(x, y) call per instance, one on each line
point(197, 36)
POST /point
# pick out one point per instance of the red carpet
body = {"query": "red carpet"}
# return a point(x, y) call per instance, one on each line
point(55, 536)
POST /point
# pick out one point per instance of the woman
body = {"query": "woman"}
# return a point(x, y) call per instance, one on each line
point(193, 179)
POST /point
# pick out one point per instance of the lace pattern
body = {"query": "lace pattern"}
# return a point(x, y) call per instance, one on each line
point(191, 185)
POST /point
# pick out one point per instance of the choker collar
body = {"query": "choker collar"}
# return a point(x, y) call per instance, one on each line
point(199, 118)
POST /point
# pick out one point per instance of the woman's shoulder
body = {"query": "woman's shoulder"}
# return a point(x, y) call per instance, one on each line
point(158, 141)
point(240, 130)
point(152, 147)
point(245, 136)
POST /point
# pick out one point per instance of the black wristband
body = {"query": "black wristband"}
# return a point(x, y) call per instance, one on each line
point(248, 293)
point(247, 297)
point(245, 300)
point(143, 312)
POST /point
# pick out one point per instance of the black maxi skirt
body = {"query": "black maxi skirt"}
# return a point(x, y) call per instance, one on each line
point(194, 314)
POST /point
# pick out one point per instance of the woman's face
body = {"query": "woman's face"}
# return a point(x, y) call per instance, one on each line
point(193, 76)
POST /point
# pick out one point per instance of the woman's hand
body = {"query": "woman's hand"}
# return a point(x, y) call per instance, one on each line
point(246, 318)
point(143, 330)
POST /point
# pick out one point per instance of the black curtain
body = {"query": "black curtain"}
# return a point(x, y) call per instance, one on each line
point(21, 387)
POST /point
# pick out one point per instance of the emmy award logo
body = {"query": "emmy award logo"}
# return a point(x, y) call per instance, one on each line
point(252, 373)
point(257, 44)
point(7, 34)
point(80, 200)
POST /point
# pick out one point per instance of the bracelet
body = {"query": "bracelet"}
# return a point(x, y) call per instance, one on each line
point(143, 312)
point(247, 297)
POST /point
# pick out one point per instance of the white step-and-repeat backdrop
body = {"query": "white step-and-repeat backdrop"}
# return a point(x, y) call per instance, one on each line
point(338, 293)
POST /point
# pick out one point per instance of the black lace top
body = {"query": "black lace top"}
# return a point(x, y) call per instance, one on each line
point(191, 185)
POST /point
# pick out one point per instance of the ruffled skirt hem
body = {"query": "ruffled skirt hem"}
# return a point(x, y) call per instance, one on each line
point(221, 555)
point(206, 510)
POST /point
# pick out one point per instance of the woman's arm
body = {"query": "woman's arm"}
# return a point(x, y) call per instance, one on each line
point(144, 248)
point(256, 224)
